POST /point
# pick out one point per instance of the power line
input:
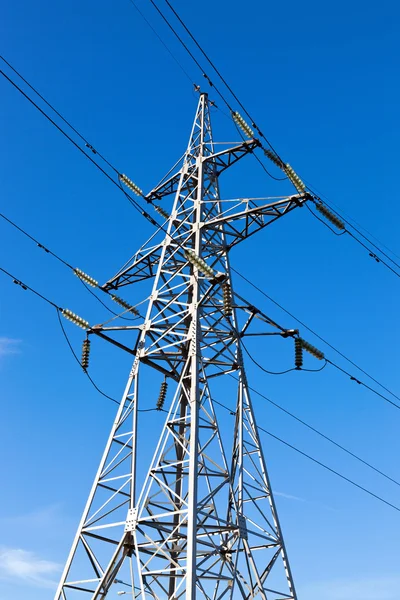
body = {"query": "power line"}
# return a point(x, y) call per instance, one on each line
point(79, 362)
point(25, 287)
point(162, 42)
point(88, 145)
point(59, 309)
point(355, 238)
point(224, 81)
point(261, 291)
point(220, 76)
point(134, 203)
point(319, 193)
point(318, 462)
point(211, 84)
point(321, 464)
point(253, 360)
point(314, 429)
point(67, 264)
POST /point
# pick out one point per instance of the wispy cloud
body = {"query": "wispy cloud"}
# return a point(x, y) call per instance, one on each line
point(23, 566)
point(290, 496)
point(363, 588)
point(9, 346)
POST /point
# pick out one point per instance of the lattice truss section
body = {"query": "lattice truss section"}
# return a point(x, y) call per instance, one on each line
point(201, 526)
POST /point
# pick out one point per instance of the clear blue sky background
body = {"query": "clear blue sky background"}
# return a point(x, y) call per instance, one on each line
point(322, 80)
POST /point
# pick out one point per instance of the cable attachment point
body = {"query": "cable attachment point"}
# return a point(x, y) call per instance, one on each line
point(86, 278)
point(227, 299)
point(330, 216)
point(91, 148)
point(242, 124)
point(311, 349)
point(196, 87)
point(294, 178)
point(200, 264)
point(129, 184)
point(162, 395)
point(76, 319)
point(298, 353)
point(85, 354)
point(374, 256)
point(124, 304)
point(161, 211)
point(17, 282)
point(210, 83)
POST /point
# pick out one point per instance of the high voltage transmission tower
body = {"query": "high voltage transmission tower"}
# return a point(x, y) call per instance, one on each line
point(203, 523)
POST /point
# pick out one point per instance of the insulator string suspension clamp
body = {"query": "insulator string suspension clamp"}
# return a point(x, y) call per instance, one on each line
point(162, 395)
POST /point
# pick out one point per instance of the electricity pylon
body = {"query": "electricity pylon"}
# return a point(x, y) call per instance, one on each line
point(204, 523)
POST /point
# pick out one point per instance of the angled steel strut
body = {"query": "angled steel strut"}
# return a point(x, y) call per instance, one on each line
point(199, 521)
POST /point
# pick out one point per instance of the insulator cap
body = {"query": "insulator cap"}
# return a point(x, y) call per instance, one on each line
point(85, 354)
point(161, 211)
point(129, 184)
point(162, 395)
point(124, 304)
point(200, 264)
point(76, 319)
point(312, 349)
point(294, 178)
point(242, 124)
point(298, 353)
point(227, 299)
point(86, 278)
point(330, 216)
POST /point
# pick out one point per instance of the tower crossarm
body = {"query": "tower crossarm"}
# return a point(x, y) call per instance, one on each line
point(221, 161)
point(142, 266)
point(251, 218)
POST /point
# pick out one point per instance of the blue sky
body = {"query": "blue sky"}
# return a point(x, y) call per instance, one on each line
point(322, 82)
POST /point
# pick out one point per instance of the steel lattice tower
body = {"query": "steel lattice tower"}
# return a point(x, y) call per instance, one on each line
point(204, 524)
